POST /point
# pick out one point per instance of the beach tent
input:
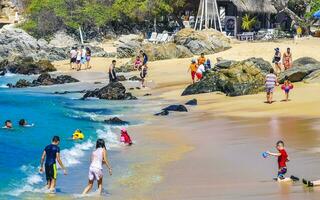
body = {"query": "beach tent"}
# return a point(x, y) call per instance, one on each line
point(317, 14)
point(208, 15)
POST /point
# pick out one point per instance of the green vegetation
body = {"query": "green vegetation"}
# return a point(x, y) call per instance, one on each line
point(47, 16)
point(248, 22)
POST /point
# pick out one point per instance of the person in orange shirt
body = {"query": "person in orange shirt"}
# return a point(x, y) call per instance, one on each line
point(201, 59)
point(193, 68)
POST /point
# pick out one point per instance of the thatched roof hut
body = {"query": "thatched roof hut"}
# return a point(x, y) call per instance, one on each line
point(253, 6)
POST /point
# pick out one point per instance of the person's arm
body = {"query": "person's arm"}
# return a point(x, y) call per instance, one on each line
point(61, 164)
point(274, 154)
point(106, 161)
point(42, 161)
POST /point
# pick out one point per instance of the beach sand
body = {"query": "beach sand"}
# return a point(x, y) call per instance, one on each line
point(213, 152)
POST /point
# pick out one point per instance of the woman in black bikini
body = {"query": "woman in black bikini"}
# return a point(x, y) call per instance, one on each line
point(276, 60)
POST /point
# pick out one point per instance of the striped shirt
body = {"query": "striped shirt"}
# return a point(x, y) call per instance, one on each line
point(271, 80)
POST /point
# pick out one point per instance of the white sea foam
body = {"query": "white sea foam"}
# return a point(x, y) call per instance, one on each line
point(70, 157)
point(4, 86)
point(112, 139)
point(91, 116)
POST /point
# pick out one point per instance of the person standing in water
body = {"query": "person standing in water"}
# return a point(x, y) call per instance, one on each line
point(287, 59)
point(112, 72)
point(98, 158)
point(277, 60)
point(8, 124)
point(50, 155)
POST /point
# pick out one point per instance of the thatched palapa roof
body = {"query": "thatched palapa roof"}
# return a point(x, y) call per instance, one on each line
point(255, 6)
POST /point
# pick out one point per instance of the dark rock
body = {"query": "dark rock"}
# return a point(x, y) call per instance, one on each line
point(121, 78)
point(305, 61)
point(22, 83)
point(241, 78)
point(97, 82)
point(148, 94)
point(162, 113)
point(138, 88)
point(28, 66)
point(296, 74)
point(135, 78)
point(113, 91)
point(116, 121)
point(176, 108)
point(127, 67)
point(70, 92)
point(192, 102)
point(314, 77)
point(131, 88)
point(262, 64)
point(223, 64)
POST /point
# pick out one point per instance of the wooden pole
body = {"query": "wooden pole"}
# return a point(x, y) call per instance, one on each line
point(81, 37)
point(218, 15)
point(214, 15)
point(202, 13)
point(206, 14)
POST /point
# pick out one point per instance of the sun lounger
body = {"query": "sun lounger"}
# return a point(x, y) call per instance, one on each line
point(159, 37)
point(164, 38)
point(153, 37)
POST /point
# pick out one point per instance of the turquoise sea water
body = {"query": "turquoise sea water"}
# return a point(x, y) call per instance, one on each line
point(21, 148)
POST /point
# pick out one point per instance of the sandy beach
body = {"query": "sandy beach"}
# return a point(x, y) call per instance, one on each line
point(213, 151)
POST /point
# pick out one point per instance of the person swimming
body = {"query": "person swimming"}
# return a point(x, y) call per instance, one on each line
point(78, 135)
point(8, 124)
point(24, 123)
point(125, 138)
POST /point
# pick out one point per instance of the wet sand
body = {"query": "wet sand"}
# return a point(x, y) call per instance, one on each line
point(214, 151)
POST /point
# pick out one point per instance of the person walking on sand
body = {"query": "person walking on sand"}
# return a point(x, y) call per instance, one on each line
point(277, 60)
point(144, 68)
point(287, 59)
point(51, 154)
point(193, 69)
point(112, 72)
point(73, 58)
point(98, 158)
point(88, 58)
point(270, 83)
point(79, 53)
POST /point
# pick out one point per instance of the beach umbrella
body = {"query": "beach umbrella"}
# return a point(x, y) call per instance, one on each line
point(317, 14)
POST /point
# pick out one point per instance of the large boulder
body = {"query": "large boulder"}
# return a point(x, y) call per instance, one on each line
point(241, 78)
point(166, 51)
point(15, 42)
point(313, 77)
point(63, 40)
point(27, 66)
point(128, 45)
point(305, 61)
point(206, 41)
point(113, 91)
point(116, 121)
point(298, 73)
point(127, 67)
point(176, 108)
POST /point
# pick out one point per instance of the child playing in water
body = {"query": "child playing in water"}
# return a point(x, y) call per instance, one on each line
point(125, 138)
point(24, 123)
point(8, 124)
point(287, 86)
point(98, 158)
point(51, 154)
point(282, 159)
point(193, 69)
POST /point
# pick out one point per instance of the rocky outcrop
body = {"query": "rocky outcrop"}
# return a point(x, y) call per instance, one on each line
point(113, 91)
point(44, 80)
point(176, 108)
point(162, 113)
point(241, 78)
point(125, 68)
point(15, 42)
point(313, 77)
point(121, 78)
point(128, 45)
point(192, 102)
point(303, 69)
point(135, 78)
point(206, 41)
point(62, 40)
point(26, 66)
point(115, 121)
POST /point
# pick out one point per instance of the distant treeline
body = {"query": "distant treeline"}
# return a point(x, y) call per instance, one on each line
point(44, 17)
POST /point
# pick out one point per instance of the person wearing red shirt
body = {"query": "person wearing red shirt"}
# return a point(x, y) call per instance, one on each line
point(125, 138)
point(283, 158)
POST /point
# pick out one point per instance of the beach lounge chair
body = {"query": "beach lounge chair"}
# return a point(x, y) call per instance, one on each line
point(159, 37)
point(153, 37)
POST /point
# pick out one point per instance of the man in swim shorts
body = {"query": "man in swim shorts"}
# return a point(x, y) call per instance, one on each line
point(51, 154)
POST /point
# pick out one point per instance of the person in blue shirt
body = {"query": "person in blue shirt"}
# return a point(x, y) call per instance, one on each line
point(50, 155)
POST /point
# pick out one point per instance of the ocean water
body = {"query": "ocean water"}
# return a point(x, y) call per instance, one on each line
point(21, 148)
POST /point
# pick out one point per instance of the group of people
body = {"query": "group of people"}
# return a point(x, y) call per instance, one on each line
point(283, 158)
point(80, 57)
point(99, 157)
point(199, 67)
point(280, 60)
point(22, 123)
point(139, 64)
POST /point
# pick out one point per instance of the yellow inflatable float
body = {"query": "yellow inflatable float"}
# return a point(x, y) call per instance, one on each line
point(78, 135)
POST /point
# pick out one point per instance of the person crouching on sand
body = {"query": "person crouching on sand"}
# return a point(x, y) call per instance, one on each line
point(125, 138)
point(51, 154)
point(287, 86)
point(98, 158)
point(193, 69)
point(270, 83)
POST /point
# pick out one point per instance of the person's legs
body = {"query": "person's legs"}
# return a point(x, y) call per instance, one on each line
point(100, 185)
point(88, 188)
point(287, 96)
point(270, 97)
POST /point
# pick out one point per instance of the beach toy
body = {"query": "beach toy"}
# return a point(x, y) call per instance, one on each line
point(265, 154)
point(77, 135)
